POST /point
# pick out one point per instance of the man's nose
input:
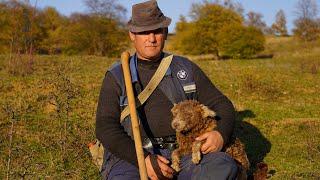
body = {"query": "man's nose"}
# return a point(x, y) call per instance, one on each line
point(152, 37)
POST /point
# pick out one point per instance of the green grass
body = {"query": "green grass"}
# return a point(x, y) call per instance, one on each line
point(277, 101)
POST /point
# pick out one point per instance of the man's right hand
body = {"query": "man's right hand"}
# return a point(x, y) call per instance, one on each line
point(166, 170)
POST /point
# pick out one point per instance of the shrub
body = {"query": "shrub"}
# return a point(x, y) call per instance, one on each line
point(200, 35)
point(26, 29)
point(307, 29)
point(184, 41)
point(94, 35)
point(216, 30)
point(237, 41)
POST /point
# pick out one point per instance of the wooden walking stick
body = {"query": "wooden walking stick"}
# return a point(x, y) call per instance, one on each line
point(133, 113)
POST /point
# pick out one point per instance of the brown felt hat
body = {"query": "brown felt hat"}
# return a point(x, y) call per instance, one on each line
point(147, 16)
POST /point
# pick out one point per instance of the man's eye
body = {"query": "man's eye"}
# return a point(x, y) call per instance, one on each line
point(143, 33)
point(157, 31)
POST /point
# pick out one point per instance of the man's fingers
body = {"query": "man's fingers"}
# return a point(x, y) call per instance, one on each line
point(168, 175)
point(205, 146)
point(154, 177)
point(206, 151)
point(202, 137)
point(209, 150)
point(163, 159)
point(150, 169)
point(165, 169)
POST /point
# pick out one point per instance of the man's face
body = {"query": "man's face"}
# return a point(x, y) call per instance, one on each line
point(149, 44)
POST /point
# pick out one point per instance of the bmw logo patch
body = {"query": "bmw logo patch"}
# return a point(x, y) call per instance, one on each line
point(182, 74)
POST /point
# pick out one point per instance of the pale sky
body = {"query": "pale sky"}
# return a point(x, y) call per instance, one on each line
point(174, 8)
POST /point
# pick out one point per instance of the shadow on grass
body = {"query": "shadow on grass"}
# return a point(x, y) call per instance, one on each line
point(257, 146)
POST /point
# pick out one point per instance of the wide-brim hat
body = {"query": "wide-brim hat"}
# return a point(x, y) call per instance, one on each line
point(147, 16)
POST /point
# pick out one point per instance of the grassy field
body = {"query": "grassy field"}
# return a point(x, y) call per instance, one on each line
point(47, 114)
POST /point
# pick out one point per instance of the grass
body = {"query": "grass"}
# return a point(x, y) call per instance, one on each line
point(281, 96)
point(53, 111)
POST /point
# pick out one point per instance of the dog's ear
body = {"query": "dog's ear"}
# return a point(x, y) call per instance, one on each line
point(207, 112)
point(173, 109)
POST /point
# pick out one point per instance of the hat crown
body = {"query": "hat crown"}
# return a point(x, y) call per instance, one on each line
point(147, 16)
point(147, 13)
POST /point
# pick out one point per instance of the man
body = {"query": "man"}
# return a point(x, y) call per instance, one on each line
point(148, 31)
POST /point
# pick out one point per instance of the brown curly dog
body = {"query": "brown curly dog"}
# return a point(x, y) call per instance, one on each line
point(192, 119)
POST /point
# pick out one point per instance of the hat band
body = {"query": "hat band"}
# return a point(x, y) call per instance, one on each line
point(148, 21)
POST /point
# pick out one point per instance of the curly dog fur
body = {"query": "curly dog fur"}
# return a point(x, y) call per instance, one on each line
point(190, 120)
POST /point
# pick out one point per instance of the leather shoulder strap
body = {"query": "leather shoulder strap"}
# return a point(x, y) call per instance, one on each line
point(152, 85)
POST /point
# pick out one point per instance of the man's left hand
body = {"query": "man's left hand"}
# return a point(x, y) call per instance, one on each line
point(213, 142)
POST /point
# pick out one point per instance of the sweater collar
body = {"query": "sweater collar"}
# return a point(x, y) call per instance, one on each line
point(134, 65)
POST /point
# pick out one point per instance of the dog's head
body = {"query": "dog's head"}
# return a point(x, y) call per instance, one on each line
point(188, 114)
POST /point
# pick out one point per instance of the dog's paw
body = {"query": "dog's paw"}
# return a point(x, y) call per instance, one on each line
point(176, 167)
point(196, 157)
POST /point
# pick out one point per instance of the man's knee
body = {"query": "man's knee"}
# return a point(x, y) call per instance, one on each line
point(122, 170)
point(217, 165)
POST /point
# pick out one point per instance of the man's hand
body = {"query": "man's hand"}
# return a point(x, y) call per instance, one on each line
point(166, 170)
point(213, 142)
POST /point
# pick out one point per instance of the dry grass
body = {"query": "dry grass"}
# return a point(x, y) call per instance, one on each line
point(277, 102)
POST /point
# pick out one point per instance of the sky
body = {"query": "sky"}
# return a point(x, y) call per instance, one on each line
point(175, 8)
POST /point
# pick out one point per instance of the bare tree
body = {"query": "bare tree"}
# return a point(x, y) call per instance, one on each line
point(235, 6)
point(306, 25)
point(306, 9)
point(230, 4)
point(107, 8)
point(255, 19)
point(279, 27)
point(307, 29)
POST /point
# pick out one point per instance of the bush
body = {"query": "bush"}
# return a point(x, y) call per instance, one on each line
point(25, 29)
point(307, 29)
point(94, 35)
point(183, 42)
point(209, 33)
point(237, 41)
point(200, 35)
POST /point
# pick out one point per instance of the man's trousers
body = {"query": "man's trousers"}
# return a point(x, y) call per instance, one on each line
point(218, 165)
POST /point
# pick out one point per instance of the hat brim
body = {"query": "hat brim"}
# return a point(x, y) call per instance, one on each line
point(136, 29)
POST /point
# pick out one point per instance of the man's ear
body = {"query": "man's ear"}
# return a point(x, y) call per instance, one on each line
point(132, 36)
point(207, 112)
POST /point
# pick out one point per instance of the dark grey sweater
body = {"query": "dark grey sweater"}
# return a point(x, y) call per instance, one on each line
point(156, 110)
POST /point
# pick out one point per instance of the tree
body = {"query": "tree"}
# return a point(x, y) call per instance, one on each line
point(238, 41)
point(279, 27)
point(106, 8)
point(306, 25)
point(210, 18)
point(26, 29)
point(255, 20)
point(53, 25)
point(21, 27)
point(306, 9)
point(185, 35)
point(93, 35)
point(235, 6)
point(6, 28)
point(207, 28)
point(307, 29)
point(230, 4)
